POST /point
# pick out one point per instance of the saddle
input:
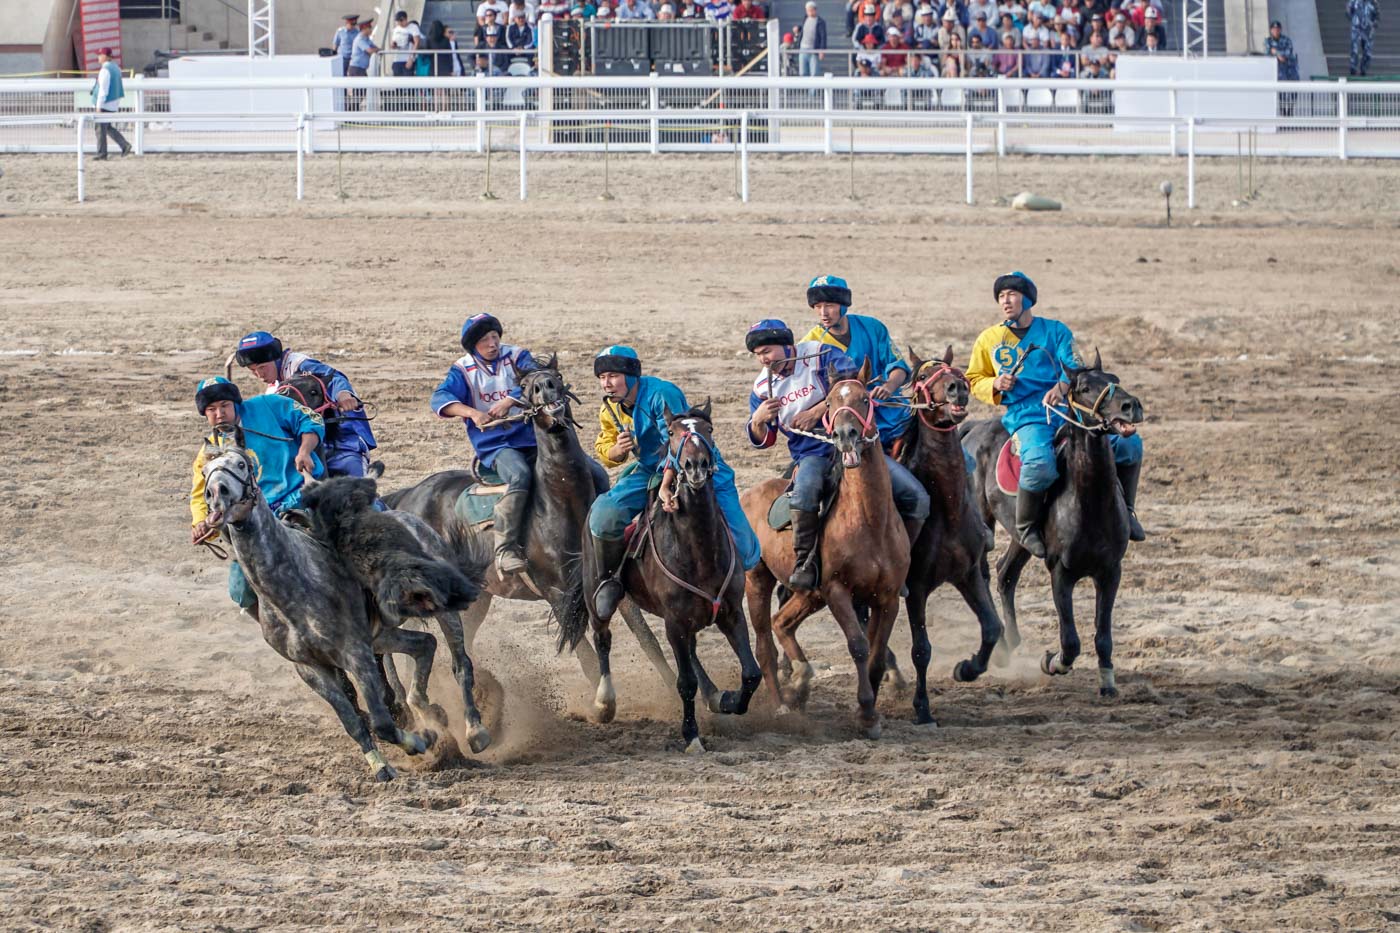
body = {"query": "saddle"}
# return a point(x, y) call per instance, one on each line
point(1009, 462)
point(780, 512)
point(634, 536)
point(477, 504)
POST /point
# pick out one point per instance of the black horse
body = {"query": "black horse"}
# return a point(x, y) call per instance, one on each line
point(1086, 522)
point(952, 547)
point(556, 521)
point(688, 571)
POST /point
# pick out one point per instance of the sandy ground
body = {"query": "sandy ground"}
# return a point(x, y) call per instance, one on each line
point(162, 768)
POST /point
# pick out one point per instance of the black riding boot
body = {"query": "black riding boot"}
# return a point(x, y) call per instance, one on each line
point(1030, 508)
point(510, 532)
point(805, 529)
point(609, 555)
point(1128, 474)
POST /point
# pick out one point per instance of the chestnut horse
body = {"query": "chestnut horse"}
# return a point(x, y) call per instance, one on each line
point(864, 558)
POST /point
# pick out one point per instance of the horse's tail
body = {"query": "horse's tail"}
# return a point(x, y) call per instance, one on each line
point(572, 611)
point(412, 586)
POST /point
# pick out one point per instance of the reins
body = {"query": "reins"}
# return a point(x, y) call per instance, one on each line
point(715, 601)
point(869, 432)
point(1077, 411)
point(924, 388)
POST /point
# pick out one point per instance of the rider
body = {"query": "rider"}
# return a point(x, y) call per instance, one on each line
point(280, 437)
point(482, 387)
point(1026, 382)
point(790, 394)
point(348, 438)
point(633, 424)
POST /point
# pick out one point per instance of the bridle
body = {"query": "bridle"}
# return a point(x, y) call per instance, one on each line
point(1078, 411)
point(674, 453)
point(869, 432)
point(923, 394)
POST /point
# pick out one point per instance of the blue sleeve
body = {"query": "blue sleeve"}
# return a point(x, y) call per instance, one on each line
point(771, 438)
point(453, 388)
point(674, 399)
point(298, 419)
point(334, 378)
point(1065, 351)
point(887, 355)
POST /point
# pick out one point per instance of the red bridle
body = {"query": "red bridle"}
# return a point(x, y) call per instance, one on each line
point(869, 431)
point(923, 393)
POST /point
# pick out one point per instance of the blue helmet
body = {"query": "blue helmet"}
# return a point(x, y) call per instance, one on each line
point(478, 326)
point(829, 288)
point(1017, 282)
point(768, 332)
point(217, 389)
point(618, 359)
point(258, 347)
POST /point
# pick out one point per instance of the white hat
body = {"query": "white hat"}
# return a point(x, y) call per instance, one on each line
point(949, 14)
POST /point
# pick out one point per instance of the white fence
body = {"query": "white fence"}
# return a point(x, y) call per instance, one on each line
point(742, 116)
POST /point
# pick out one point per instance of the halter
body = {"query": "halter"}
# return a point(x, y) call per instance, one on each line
point(923, 393)
point(673, 456)
point(869, 432)
point(1078, 411)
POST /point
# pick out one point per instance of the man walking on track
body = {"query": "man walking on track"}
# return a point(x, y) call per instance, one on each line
point(107, 98)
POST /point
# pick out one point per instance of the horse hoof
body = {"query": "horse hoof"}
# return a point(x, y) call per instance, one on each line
point(479, 740)
point(964, 672)
point(696, 747)
point(1049, 666)
point(1001, 654)
point(605, 712)
point(385, 774)
point(894, 678)
point(415, 743)
point(923, 717)
point(874, 729)
point(792, 700)
point(1108, 693)
point(715, 703)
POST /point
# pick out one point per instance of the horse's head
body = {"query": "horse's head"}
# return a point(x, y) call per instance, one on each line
point(1097, 399)
point(850, 417)
point(547, 395)
point(942, 388)
point(691, 447)
point(230, 485)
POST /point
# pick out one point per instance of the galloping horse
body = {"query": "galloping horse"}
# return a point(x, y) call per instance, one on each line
point(864, 558)
point(1086, 523)
point(313, 612)
point(687, 570)
point(556, 523)
point(952, 547)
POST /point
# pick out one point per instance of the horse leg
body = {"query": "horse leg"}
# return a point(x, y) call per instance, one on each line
point(605, 697)
point(1062, 588)
point(973, 588)
point(1105, 593)
point(1008, 575)
point(647, 639)
point(892, 671)
point(736, 630)
point(758, 593)
point(916, 606)
point(882, 624)
point(451, 624)
point(708, 691)
point(395, 693)
point(420, 647)
point(789, 617)
point(683, 647)
point(471, 620)
point(838, 600)
point(364, 673)
point(326, 682)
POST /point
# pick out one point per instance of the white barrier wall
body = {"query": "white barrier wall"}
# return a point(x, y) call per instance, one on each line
point(1214, 104)
point(250, 100)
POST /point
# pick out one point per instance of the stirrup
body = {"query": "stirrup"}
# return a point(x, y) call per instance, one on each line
point(510, 562)
point(606, 597)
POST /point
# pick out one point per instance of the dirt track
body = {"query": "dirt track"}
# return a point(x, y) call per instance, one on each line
point(162, 768)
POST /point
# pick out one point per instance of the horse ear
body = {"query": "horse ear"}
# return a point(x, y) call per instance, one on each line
point(706, 408)
point(948, 356)
point(864, 374)
point(1069, 373)
point(553, 362)
point(914, 360)
point(666, 410)
point(1098, 360)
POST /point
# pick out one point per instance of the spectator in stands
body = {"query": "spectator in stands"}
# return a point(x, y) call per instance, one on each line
point(107, 96)
point(1281, 48)
point(1065, 61)
point(921, 66)
point(487, 67)
point(853, 8)
point(519, 35)
point(1096, 28)
point(604, 11)
point(495, 49)
point(748, 9)
point(690, 10)
point(360, 53)
point(486, 23)
point(557, 9)
point(948, 33)
point(499, 7)
point(634, 11)
point(1036, 24)
point(1036, 63)
point(978, 61)
point(869, 36)
point(1120, 47)
point(718, 11)
point(903, 8)
point(456, 66)
point(896, 58)
point(897, 23)
point(1008, 27)
point(1017, 10)
point(1045, 9)
point(344, 42)
point(989, 12)
point(1095, 70)
point(1006, 62)
point(404, 40)
point(1073, 16)
point(981, 29)
point(811, 42)
point(667, 14)
point(1095, 51)
point(1153, 27)
point(1122, 27)
point(1364, 15)
point(1152, 45)
point(953, 59)
point(925, 33)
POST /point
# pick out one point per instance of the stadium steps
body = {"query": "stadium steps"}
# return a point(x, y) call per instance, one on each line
point(1332, 22)
point(791, 13)
point(455, 14)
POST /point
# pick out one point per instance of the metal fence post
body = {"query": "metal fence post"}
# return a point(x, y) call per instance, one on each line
point(654, 99)
point(307, 106)
point(480, 123)
point(524, 128)
point(301, 157)
point(744, 157)
point(826, 106)
point(1171, 97)
point(969, 158)
point(82, 186)
point(1190, 162)
point(1001, 123)
point(1342, 118)
point(140, 142)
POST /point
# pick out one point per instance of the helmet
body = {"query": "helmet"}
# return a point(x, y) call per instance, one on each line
point(217, 389)
point(618, 359)
point(478, 326)
point(768, 332)
point(829, 288)
point(258, 347)
point(1018, 282)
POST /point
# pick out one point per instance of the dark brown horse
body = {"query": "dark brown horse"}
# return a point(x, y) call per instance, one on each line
point(1086, 522)
point(864, 558)
point(952, 547)
point(688, 571)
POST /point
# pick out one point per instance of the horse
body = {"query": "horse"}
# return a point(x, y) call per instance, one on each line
point(864, 557)
point(686, 570)
point(952, 547)
point(556, 522)
point(314, 613)
point(1086, 521)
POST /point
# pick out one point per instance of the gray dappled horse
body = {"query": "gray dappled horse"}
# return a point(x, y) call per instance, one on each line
point(1086, 522)
point(314, 614)
point(556, 522)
